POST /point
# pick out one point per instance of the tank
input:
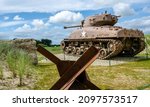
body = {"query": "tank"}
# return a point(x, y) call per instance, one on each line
point(99, 31)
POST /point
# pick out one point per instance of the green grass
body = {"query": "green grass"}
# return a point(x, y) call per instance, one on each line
point(146, 51)
point(47, 75)
point(55, 49)
point(11, 59)
point(23, 65)
point(147, 39)
point(17, 61)
point(1, 72)
point(132, 75)
point(4, 49)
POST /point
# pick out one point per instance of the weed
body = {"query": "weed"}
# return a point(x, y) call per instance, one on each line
point(23, 62)
point(47, 75)
point(11, 60)
point(18, 61)
point(1, 72)
point(55, 49)
point(4, 48)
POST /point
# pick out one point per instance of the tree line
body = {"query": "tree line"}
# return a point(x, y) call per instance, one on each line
point(46, 42)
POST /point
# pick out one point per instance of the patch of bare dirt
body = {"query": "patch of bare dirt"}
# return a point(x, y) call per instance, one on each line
point(8, 82)
point(98, 62)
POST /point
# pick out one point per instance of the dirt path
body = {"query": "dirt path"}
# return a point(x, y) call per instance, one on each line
point(98, 62)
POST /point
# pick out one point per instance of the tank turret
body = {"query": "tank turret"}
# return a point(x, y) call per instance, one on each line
point(97, 20)
point(99, 31)
point(101, 20)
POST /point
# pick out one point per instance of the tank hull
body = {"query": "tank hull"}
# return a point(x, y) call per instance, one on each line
point(110, 40)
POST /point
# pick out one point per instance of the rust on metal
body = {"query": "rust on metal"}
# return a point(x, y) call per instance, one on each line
point(77, 68)
point(48, 55)
point(100, 31)
point(72, 73)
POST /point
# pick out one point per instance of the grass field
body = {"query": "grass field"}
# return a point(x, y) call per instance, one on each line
point(54, 50)
point(132, 75)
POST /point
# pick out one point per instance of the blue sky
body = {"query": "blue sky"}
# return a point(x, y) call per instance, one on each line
point(45, 18)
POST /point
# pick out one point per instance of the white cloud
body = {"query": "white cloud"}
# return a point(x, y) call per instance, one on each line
point(6, 17)
point(55, 33)
point(54, 5)
point(123, 9)
point(24, 28)
point(36, 28)
point(146, 9)
point(11, 23)
point(139, 23)
point(66, 17)
point(18, 18)
point(37, 23)
point(33, 26)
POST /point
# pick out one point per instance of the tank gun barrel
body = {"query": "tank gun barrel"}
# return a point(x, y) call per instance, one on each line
point(118, 16)
point(66, 27)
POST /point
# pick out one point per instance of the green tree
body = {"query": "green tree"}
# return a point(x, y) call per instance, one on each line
point(47, 42)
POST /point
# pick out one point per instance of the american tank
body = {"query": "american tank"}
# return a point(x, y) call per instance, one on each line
point(99, 31)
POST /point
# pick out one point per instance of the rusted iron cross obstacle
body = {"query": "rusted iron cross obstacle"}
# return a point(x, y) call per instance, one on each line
point(72, 73)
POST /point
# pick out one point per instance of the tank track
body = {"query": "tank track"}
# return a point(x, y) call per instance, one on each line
point(141, 47)
point(136, 48)
point(107, 47)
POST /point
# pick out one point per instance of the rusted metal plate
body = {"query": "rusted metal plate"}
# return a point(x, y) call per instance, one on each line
point(76, 69)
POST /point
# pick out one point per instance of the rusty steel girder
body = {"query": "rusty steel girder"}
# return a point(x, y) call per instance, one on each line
point(72, 73)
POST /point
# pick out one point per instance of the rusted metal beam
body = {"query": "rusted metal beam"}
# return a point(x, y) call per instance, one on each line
point(81, 81)
point(76, 69)
point(48, 55)
point(90, 85)
point(64, 66)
